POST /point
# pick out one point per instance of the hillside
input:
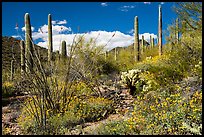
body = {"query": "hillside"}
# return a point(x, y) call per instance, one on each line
point(7, 44)
point(130, 47)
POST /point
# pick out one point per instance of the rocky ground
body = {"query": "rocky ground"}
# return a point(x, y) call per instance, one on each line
point(10, 113)
point(118, 93)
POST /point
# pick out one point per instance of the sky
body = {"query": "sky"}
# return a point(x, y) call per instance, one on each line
point(109, 23)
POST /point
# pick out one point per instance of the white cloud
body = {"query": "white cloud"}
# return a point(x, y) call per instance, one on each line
point(23, 28)
point(62, 22)
point(61, 32)
point(147, 36)
point(162, 2)
point(126, 8)
point(131, 31)
point(104, 4)
point(119, 40)
point(54, 22)
point(147, 2)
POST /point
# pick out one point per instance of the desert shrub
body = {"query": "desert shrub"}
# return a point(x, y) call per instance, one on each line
point(166, 115)
point(159, 71)
point(8, 89)
point(78, 111)
point(119, 127)
point(107, 66)
point(91, 109)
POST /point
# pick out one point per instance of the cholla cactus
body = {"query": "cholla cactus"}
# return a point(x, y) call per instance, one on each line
point(131, 78)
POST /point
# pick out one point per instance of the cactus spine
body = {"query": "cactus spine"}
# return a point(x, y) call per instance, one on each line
point(28, 42)
point(22, 45)
point(160, 31)
point(136, 43)
point(64, 51)
point(50, 46)
point(142, 44)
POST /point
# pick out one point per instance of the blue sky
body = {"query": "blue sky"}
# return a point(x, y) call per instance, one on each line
point(93, 17)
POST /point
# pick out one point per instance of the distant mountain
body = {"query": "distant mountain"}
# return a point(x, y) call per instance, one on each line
point(130, 47)
point(8, 54)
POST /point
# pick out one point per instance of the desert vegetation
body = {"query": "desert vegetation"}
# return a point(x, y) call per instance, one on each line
point(82, 89)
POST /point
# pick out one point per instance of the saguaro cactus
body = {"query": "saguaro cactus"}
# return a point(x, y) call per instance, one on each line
point(142, 50)
point(22, 45)
point(160, 31)
point(12, 69)
point(28, 42)
point(115, 53)
point(64, 51)
point(152, 42)
point(136, 43)
point(50, 46)
point(106, 55)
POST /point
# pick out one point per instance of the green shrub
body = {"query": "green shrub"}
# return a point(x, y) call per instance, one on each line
point(8, 89)
point(78, 111)
point(166, 114)
point(119, 127)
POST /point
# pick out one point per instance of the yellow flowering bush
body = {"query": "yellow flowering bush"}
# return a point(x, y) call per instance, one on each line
point(166, 115)
point(78, 111)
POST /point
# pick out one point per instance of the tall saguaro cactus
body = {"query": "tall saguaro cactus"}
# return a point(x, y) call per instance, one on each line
point(50, 46)
point(160, 31)
point(106, 54)
point(115, 53)
point(151, 41)
point(142, 50)
point(136, 43)
point(22, 45)
point(28, 43)
point(12, 69)
point(64, 51)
